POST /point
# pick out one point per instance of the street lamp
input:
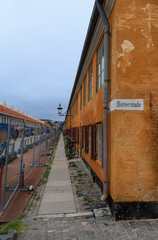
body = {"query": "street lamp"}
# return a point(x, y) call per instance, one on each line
point(59, 108)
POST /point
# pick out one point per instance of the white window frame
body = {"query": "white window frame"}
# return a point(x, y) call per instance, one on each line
point(91, 82)
point(89, 149)
point(100, 66)
point(81, 98)
point(99, 141)
point(85, 91)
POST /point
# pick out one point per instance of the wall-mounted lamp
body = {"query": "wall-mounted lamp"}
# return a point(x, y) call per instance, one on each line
point(59, 108)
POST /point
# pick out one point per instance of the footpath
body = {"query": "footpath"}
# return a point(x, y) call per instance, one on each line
point(66, 213)
point(58, 196)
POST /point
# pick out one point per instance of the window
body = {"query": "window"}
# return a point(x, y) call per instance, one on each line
point(90, 139)
point(99, 142)
point(91, 83)
point(75, 112)
point(77, 135)
point(83, 135)
point(81, 99)
point(77, 105)
point(85, 89)
point(86, 139)
point(100, 66)
point(93, 142)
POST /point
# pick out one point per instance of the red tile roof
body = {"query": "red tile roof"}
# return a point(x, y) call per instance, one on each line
point(13, 113)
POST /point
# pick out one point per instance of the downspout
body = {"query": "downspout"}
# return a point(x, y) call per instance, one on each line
point(106, 100)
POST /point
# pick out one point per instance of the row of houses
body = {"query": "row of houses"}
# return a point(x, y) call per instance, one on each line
point(16, 120)
point(113, 108)
point(5, 112)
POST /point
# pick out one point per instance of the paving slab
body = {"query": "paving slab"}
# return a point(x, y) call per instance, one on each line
point(58, 195)
point(58, 189)
point(57, 207)
point(58, 183)
point(57, 176)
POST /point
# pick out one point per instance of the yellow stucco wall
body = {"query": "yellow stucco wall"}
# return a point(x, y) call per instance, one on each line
point(133, 135)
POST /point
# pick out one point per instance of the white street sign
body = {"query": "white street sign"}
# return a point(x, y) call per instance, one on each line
point(126, 105)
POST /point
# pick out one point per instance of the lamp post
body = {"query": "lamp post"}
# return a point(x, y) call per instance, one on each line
point(59, 108)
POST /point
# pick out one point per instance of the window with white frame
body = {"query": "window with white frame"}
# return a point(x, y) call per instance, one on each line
point(99, 142)
point(77, 105)
point(89, 139)
point(81, 99)
point(100, 66)
point(85, 89)
point(91, 82)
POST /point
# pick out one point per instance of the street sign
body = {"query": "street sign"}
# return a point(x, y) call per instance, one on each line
point(126, 105)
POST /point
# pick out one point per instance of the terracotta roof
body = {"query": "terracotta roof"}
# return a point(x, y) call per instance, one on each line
point(13, 113)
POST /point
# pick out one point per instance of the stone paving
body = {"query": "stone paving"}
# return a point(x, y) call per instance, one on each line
point(58, 196)
point(92, 221)
point(81, 228)
point(87, 194)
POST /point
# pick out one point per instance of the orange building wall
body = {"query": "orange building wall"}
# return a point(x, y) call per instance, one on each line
point(134, 75)
point(133, 135)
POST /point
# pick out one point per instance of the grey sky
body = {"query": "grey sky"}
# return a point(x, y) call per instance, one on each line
point(40, 47)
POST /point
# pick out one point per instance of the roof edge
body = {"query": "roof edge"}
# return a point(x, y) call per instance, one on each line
point(90, 31)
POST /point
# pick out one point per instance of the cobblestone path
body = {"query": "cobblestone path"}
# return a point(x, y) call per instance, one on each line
point(103, 228)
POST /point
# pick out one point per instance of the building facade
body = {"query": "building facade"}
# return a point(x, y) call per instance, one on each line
point(113, 108)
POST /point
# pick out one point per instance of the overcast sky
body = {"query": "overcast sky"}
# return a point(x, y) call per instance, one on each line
point(40, 47)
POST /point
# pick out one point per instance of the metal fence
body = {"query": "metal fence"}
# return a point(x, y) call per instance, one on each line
point(23, 146)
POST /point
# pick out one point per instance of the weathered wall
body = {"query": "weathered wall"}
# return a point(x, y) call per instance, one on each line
point(90, 114)
point(134, 134)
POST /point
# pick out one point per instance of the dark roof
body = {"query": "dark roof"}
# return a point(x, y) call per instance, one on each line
point(90, 31)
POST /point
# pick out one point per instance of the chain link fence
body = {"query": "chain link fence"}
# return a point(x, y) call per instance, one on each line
point(23, 147)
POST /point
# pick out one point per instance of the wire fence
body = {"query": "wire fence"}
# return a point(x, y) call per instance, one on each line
point(23, 146)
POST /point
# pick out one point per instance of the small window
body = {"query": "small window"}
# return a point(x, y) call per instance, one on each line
point(91, 82)
point(90, 139)
point(77, 105)
point(99, 142)
point(83, 137)
point(100, 66)
point(75, 110)
point(81, 99)
point(85, 89)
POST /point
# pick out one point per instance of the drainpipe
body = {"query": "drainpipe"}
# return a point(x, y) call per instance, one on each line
point(106, 100)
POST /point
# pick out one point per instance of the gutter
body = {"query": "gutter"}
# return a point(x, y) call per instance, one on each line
point(106, 100)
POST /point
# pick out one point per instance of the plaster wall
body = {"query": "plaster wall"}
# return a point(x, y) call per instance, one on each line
point(133, 136)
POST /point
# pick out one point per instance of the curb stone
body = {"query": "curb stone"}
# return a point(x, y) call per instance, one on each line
point(10, 236)
point(96, 213)
point(101, 212)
